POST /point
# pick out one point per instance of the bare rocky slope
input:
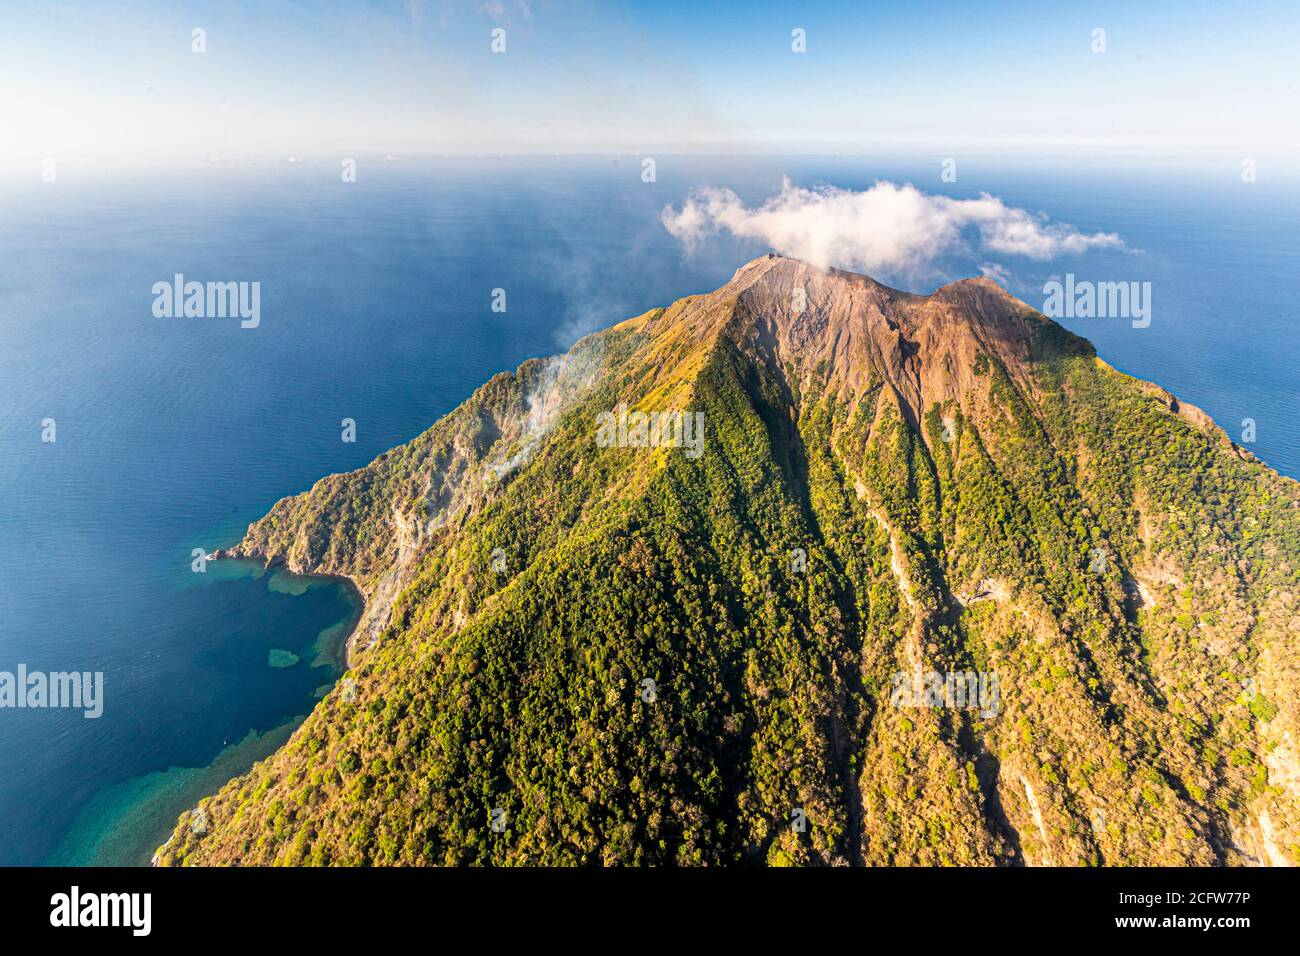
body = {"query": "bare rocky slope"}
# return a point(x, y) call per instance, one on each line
point(574, 653)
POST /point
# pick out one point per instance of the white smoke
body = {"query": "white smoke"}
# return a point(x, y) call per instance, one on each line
point(885, 229)
point(560, 381)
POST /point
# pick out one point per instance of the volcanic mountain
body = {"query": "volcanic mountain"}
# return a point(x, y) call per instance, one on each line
point(939, 587)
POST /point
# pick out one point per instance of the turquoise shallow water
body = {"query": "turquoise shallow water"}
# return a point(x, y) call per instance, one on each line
point(123, 824)
point(376, 298)
point(303, 623)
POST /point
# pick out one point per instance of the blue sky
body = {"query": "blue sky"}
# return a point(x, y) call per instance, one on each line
point(121, 83)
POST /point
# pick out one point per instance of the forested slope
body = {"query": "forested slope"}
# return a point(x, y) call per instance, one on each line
point(576, 654)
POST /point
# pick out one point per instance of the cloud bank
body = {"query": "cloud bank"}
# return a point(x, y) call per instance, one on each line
point(887, 229)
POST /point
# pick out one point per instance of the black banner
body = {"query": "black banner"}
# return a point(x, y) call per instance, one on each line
point(335, 906)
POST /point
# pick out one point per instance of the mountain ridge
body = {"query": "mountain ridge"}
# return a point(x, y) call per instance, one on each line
point(968, 488)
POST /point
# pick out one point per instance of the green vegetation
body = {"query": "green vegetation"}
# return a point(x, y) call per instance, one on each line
point(630, 656)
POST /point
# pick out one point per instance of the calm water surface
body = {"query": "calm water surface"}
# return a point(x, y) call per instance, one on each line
point(375, 302)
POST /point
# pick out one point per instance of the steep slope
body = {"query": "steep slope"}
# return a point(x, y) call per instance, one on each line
point(575, 653)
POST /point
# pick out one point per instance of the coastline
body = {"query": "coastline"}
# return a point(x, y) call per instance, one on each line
point(125, 824)
point(270, 563)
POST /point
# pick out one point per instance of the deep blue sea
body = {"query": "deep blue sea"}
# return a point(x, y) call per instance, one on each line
point(376, 300)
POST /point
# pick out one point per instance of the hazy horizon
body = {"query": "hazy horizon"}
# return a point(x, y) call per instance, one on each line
point(143, 88)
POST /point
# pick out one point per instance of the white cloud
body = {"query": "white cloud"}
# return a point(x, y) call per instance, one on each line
point(885, 229)
point(997, 272)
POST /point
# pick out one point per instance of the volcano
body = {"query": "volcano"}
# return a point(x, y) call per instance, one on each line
point(616, 652)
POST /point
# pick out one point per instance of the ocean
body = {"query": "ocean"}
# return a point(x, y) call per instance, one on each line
point(376, 305)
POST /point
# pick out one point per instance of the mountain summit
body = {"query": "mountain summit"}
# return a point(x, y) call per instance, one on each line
point(924, 347)
point(805, 570)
